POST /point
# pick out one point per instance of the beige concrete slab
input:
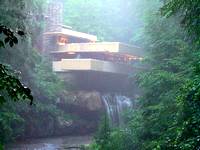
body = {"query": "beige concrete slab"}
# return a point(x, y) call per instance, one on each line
point(90, 65)
point(111, 47)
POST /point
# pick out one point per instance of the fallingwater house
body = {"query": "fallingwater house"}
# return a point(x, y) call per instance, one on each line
point(83, 61)
point(98, 71)
point(90, 64)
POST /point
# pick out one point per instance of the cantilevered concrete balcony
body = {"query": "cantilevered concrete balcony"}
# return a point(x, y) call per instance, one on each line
point(101, 47)
point(92, 65)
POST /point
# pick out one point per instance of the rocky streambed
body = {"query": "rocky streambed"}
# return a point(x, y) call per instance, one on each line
point(60, 143)
point(86, 109)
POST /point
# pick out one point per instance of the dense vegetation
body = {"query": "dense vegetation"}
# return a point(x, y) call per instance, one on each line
point(21, 66)
point(167, 115)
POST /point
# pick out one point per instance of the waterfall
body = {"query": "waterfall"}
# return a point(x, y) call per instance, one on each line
point(115, 106)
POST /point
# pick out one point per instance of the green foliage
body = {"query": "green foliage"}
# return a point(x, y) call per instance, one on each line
point(50, 84)
point(103, 135)
point(11, 86)
point(19, 119)
point(110, 20)
point(168, 112)
point(170, 67)
point(10, 126)
point(188, 11)
point(9, 83)
point(9, 36)
point(167, 116)
point(108, 138)
point(1, 147)
point(189, 116)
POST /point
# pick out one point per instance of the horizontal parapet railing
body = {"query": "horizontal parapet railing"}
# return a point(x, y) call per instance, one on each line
point(112, 47)
point(90, 65)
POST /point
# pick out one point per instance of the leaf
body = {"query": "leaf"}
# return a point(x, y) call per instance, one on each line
point(1, 147)
point(31, 99)
point(27, 91)
point(11, 43)
point(15, 40)
point(2, 100)
point(2, 44)
point(21, 33)
point(5, 31)
point(6, 40)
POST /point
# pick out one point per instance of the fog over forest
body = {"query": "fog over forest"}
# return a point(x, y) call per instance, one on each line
point(99, 75)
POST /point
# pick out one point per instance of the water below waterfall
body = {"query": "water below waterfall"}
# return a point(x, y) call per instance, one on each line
point(115, 106)
point(59, 143)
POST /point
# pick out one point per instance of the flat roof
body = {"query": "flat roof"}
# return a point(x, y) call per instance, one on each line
point(69, 32)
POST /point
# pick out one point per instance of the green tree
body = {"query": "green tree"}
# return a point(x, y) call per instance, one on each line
point(167, 116)
point(188, 116)
point(19, 119)
point(188, 11)
point(9, 84)
point(110, 20)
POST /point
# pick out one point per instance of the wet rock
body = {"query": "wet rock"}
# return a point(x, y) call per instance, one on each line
point(85, 99)
point(85, 108)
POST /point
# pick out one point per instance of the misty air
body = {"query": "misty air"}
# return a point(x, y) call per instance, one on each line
point(99, 75)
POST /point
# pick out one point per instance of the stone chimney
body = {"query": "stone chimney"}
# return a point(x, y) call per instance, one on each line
point(54, 22)
point(54, 16)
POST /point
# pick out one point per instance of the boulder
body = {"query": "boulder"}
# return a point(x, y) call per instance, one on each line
point(90, 100)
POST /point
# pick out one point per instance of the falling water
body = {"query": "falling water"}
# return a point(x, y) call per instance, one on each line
point(115, 106)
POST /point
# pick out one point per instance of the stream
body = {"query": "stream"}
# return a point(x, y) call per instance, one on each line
point(60, 143)
point(115, 106)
